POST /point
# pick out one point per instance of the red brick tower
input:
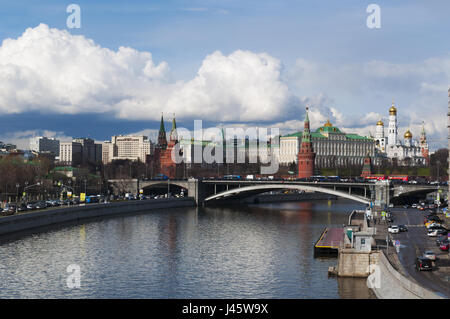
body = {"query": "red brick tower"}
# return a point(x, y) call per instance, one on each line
point(367, 168)
point(306, 155)
point(167, 166)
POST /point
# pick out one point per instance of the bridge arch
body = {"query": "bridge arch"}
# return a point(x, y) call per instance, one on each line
point(148, 184)
point(257, 189)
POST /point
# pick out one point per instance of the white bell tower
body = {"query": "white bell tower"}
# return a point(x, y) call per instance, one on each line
point(392, 128)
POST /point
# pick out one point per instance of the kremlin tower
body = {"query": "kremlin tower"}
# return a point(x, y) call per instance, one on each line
point(162, 140)
point(162, 158)
point(306, 156)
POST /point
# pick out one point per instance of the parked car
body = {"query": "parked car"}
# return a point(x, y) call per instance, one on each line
point(402, 228)
point(430, 255)
point(41, 205)
point(9, 209)
point(31, 206)
point(442, 231)
point(432, 233)
point(423, 264)
point(433, 225)
point(440, 240)
point(444, 245)
point(414, 205)
point(394, 229)
point(22, 207)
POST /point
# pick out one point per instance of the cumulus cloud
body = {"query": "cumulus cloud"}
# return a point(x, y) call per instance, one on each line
point(51, 70)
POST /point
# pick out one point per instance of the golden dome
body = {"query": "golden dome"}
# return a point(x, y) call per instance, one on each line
point(328, 124)
point(380, 123)
point(392, 110)
point(407, 134)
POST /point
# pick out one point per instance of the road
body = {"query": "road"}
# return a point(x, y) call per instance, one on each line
point(414, 243)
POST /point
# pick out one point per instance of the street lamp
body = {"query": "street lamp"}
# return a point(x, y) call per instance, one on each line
point(17, 196)
point(168, 187)
point(437, 166)
point(25, 191)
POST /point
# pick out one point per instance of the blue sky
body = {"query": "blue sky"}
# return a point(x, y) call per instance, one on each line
point(328, 60)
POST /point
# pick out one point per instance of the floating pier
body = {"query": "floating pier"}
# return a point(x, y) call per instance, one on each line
point(329, 242)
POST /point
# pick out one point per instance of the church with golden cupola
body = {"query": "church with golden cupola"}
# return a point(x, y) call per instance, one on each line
point(407, 152)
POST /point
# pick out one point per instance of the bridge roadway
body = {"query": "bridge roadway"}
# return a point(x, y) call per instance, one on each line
point(204, 190)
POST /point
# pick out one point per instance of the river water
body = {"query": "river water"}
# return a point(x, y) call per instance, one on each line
point(254, 251)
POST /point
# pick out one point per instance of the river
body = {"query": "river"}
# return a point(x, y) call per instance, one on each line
point(246, 251)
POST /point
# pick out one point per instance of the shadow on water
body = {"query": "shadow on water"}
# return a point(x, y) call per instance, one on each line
point(354, 288)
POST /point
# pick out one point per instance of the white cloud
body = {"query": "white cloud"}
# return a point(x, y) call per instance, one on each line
point(51, 70)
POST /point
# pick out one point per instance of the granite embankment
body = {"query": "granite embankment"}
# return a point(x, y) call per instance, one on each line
point(55, 216)
point(390, 284)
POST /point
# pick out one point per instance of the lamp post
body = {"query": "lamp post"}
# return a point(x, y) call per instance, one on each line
point(17, 196)
point(25, 192)
point(437, 167)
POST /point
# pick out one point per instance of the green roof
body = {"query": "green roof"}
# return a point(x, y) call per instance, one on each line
point(357, 137)
point(64, 168)
point(328, 129)
point(317, 134)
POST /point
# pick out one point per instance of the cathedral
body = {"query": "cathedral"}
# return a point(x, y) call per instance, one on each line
point(409, 152)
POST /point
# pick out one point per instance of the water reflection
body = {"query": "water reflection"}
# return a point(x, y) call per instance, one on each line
point(256, 251)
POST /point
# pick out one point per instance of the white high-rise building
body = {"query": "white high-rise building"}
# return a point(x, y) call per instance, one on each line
point(122, 147)
point(41, 144)
point(71, 153)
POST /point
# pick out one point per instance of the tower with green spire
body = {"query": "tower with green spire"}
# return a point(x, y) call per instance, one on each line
point(173, 132)
point(162, 140)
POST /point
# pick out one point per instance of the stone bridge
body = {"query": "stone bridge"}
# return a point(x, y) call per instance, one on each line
point(211, 190)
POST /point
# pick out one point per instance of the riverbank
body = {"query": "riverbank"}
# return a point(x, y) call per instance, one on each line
point(32, 220)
